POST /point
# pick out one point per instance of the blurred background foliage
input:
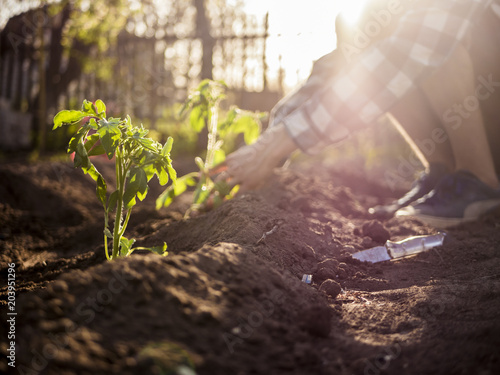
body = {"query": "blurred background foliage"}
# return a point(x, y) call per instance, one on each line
point(142, 57)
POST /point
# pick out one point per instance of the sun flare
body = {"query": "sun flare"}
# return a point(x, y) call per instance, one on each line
point(352, 9)
point(296, 39)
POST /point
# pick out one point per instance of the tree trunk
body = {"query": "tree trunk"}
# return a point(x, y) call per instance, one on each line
point(203, 32)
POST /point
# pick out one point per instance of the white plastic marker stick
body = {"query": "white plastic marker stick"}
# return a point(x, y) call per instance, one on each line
point(400, 249)
point(307, 279)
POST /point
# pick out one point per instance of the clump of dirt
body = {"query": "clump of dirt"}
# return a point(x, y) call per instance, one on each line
point(229, 300)
point(330, 287)
point(376, 231)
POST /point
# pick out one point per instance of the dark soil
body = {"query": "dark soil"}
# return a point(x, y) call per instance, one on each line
point(226, 301)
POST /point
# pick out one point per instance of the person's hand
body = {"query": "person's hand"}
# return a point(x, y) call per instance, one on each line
point(251, 165)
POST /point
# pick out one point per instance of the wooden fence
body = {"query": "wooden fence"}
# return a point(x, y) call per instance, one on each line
point(148, 73)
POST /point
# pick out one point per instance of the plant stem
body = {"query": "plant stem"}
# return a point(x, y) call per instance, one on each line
point(212, 135)
point(125, 223)
point(106, 246)
point(120, 185)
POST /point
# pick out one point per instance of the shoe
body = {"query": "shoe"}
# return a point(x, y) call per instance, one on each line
point(458, 198)
point(423, 185)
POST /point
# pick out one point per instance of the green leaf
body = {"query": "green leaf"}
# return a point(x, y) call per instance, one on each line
point(113, 200)
point(163, 177)
point(97, 150)
point(126, 246)
point(92, 171)
point(203, 190)
point(128, 121)
point(129, 201)
point(197, 119)
point(172, 172)
point(93, 123)
point(231, 116)
point(81, 157)
point(150, 170)
point(166, 198)
point(67, 118)
point(205, 86)
point(144, 142)
point(164, 169)
point(176, 189)
point(108, 233)
point(165, 151)
point(234, 191)
point(110, 135)
point(224, 126)
point(161, 250)
point(219, 157)
point(91, 141)
point(101, 190)
point(101, 108)
point(248, 126)
point(77, 138)
point(82, 160)
point(137, 186)
point(88, 108)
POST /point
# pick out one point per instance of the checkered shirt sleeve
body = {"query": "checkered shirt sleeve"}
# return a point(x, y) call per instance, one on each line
point(381, 75)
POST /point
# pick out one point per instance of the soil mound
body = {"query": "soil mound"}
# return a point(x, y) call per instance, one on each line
point(228, 299)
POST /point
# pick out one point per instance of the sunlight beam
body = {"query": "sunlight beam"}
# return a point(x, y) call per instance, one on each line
point(351, 10)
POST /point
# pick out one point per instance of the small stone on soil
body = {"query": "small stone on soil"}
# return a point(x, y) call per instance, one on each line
point(330, 263)
point(376, 231)
point(331, 288)
point(323, 274)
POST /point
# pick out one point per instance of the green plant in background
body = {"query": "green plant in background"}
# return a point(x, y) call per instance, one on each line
point(203, 108)
point(137, 160)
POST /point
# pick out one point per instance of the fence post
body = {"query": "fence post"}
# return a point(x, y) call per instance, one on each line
point(42, 105)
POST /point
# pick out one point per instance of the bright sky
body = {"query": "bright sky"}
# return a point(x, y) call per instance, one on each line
point(300, 32)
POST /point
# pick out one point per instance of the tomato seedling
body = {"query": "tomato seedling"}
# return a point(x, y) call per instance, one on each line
point(203, 107)
point(137, 160)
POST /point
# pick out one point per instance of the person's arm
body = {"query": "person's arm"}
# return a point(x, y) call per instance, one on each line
point(251, 165)
point(362, 91)
point(321, 72)
point(383, 73)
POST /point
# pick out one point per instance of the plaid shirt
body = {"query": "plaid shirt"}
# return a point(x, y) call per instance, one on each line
point(334, 102)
